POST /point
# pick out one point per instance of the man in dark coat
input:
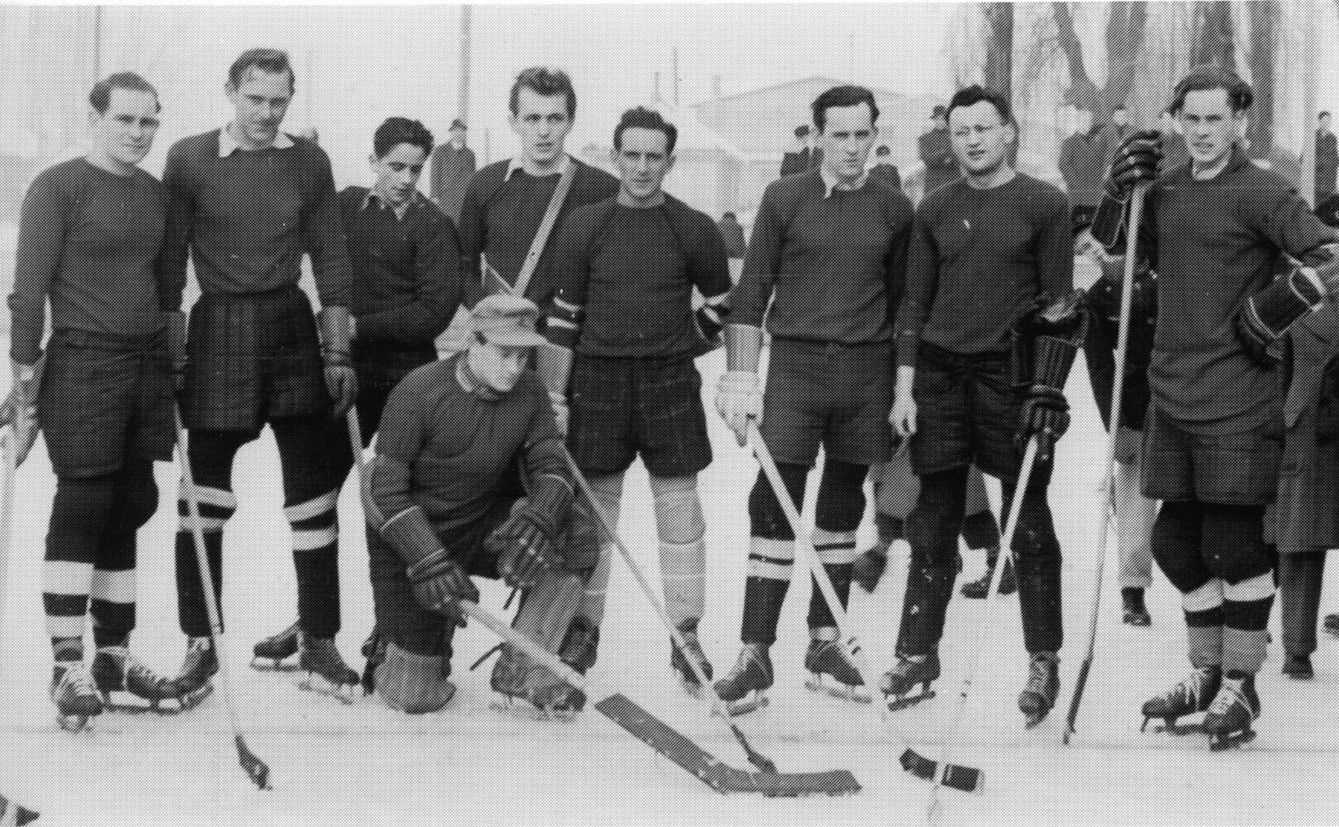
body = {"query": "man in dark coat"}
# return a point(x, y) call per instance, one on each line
point(452, 167)
point(937, 153)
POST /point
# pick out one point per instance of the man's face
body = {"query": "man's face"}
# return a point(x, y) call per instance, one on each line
point(397, 173)
point(1209, 125)
point(1324, 123)
point(980, 138)
point(497, 366)
point(125, 131)
point(1120, 118)
point(458, 136)
point(847, 136)
point(542, 124)
point(642, 161)
point(261, 100)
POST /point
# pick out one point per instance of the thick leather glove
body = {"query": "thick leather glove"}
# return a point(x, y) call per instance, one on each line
point(525, 544)
point(440, 583)
point(1045, 415)
point(1136, 160)
point(176, 347)
point(340, 380)
point(20, 408)
point(739, 397)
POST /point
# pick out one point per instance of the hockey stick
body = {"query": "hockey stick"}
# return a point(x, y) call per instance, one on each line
point(257, 770)
point(755, 758)
point(664, 740)
point(932, 812)
point(968, 779)
point(10, 811)
point(355, 439)
point(1109, 470)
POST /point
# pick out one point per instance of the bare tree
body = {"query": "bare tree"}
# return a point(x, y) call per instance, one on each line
point(998, 71)
point(1124, 40)
point(1214, 42)
point(1263, 16)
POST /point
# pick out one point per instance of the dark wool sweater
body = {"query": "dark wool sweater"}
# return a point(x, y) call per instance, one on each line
point(248, 218)
point(88, 240)
point(833, 267)
point(979, 259)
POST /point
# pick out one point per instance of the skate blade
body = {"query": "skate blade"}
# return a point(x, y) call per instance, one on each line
point(191, 700)
point(128, 703)
point(1173, 728)
point(527, 711)
point(274, 664)
point(752, 702)
point(318, 685)
point(1235, 740)
point(840, 691)
point(904, 701)
point(1034, 720)
point(75, 723)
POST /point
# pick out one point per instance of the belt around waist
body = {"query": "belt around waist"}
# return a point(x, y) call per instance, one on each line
point(110, 341)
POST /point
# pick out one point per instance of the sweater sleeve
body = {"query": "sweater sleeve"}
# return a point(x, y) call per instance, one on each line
point(437, 290)
point(709, 265)
point(762, 263)
point(1285, 220)
point(543, 449)
point(325, 238)
point(922, 284)
point(42, 227)
point(171, 265)
point(895, 263)
point(400, 439)
point(1055, 246)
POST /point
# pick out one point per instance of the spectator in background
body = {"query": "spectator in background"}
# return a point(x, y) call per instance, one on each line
point(1120, 125)
point(1327, 159)
point(937, 153)
point(453, 165)
point(885, 168)
point(1083, 157)
point(1174, 152)
point(733, 233)
point(803, 155)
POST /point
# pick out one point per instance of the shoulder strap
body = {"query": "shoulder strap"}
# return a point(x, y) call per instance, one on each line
point(545, 228)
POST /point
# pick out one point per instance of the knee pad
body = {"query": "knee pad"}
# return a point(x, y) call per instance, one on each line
point(933, 525)
point(1176, 539)
point(549, 607)
point(1234, 546)
point(766, 518)
point(412, 683)
point(82, 508)
point(841, 496)
point(678, 509)
point(581, 542)
point(136, 497)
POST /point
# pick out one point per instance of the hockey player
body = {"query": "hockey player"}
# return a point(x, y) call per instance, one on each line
point(512, 211)
point(985, 249)
point(89, 234)
point(437, 500)
point(828, 250)
point(896, 489)
point(1134, 512)
point(624, 271)
point(246, 201)
point(1213, 230)
point(406, 284)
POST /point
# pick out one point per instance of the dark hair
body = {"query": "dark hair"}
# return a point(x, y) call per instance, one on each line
point(1204, 78)
point(802, 131)
point(272, 61)
point(974, 94)
point(101, 96)
point(547, 82)
point(730, 216)
point(883, 150)
point(643, 118)
point(1120, 107)
point(843, 96)
point(1323, 115)
point(396, 131)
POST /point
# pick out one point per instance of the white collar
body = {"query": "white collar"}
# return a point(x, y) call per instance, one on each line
point(830, 183)
point(399, 211)
point(228, 145)
point(515, 164)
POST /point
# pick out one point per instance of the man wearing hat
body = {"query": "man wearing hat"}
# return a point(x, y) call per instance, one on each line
point(937, 153)
point(438, 511)
point(803, 155)
point(452, 167)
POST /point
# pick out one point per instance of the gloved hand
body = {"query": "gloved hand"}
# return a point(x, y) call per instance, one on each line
point(20, 408)
point(176, 347)
point(1136, 160)
point(738, 397)
point(524, 546)
point(439, 583)
point(1045, 415)
point(340, 380)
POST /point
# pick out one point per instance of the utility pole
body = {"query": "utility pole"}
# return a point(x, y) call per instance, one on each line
point(97, 43)
point(850, 53)
point(463, 104)
point(676, 76)
point(1311, 21)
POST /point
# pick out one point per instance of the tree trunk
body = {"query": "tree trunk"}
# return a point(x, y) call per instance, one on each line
point(1213, 39)
point(1264, 17)
point(998, 72)
point(1125, 39)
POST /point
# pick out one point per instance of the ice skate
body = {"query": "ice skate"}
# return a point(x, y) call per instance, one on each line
point(869, 567)
point(195, 683)
point(831, 669)
point(580, 645)
point(327, 673)
point(75, 696)
point(977, 589)
point(1298, 667)
point(272, 653)
point(126, 685)
point(1043, 685)
point(692, 650)
point(1331, 624)
point(744, 689)
point(1192, 695)
point(1234, 709)
point(910, 670)
point(1133, 610)
point(517, 678)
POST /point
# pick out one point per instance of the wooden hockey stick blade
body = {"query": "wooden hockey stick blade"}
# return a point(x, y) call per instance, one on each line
point(12, 813)
point(710, 770)
point(257, 770)
point(967, 779)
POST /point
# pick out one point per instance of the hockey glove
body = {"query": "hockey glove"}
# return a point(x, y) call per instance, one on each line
point(525, 544)
point(176, 347)
point(1045, 415)
point(1048, 339)
point(1264, 318)
point(438, 580)
point(340, 380)
point(20, 408)
point(739, 397)
point(1136, 160)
